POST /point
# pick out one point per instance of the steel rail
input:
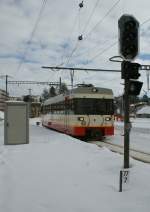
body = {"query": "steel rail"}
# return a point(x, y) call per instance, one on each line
point(136, 154)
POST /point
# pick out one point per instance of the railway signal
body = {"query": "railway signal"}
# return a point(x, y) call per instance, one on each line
point(134, 87)
point(27, 98)
point(128, 37)
point(128, 47)
point(130, 71)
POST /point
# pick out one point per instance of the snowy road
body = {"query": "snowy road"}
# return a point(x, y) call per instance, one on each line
point(55, 172)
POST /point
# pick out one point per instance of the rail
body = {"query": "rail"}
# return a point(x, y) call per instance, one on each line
point(136, 154)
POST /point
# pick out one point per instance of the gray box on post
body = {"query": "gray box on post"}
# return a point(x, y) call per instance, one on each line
point(16, 123)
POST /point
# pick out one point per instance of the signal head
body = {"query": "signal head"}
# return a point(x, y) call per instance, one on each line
point(128, 37)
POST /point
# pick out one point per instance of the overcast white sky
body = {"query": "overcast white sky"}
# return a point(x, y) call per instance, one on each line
point(26, 46)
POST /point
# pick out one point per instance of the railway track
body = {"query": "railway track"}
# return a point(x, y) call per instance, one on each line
point(138, 155)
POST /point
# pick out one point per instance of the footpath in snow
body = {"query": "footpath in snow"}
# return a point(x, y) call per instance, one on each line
point(58, 173)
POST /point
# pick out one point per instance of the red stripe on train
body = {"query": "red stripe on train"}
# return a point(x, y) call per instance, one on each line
point(79, 131)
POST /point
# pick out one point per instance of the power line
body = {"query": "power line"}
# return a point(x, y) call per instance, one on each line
point(146, 21)
point(33, 83)
point(104, 50)
point(80, 36)
point(91, 15)
point(73, 51)
point(109, 11)
point(32, 34)
point(101, 20)
point(79, 19)
point(68, 58)
point(87, 51)
point(113, 44)
point(69, 38)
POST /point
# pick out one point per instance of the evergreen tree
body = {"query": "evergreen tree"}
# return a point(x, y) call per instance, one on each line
point(52, 92)
point(63, 88)
point(45, 94)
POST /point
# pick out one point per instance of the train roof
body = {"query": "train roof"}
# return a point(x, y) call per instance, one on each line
point(82, 92)
point(92, 89)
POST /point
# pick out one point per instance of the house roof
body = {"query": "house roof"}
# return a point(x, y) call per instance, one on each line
point(144, 110)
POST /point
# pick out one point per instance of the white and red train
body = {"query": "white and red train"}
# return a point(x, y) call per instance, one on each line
point(85, 112)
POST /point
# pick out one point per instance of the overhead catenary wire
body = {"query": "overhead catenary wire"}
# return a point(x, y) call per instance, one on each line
point(79, 19)
point(72, 52)
point(90, 17)
point(77, 42)
point(103, 51)
point(113, 44)
point(32, 35)
point(87, 51)
point(110, 46)
point(102, 19)
point(145, 22)
point(73, 26)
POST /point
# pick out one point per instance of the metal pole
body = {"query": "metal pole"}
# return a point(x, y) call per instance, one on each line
point(30, 103)
point(72, 76)
point(60, 81)
point(79, 69)
point(126, 125)
point(30, 91)
point(60, 84)
point(6, 84)
point(147, 73)
point(120, 182)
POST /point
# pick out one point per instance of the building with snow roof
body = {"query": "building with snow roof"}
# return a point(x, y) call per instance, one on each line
point(144, 112)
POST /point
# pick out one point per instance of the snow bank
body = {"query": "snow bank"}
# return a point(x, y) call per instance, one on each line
point(58, 173)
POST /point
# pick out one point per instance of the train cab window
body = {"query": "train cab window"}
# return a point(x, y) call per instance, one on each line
point(93, 106)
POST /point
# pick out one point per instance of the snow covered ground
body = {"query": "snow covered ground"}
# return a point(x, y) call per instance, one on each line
point(57, 173)
point(139, 136)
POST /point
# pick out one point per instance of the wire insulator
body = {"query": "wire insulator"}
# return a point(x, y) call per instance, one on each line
point(80, 37)
point(81, 4)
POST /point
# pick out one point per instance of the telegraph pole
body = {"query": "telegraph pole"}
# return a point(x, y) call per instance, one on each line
point(147, 74)
point(30, 102)
point(30, 91)
point(6, 82)
point(59, 83)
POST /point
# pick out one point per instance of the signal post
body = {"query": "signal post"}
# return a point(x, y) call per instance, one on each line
point(128, 48)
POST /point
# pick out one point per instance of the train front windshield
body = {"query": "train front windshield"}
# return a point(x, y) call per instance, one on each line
point(93, 106)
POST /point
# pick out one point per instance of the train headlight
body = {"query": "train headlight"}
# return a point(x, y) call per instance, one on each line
point(107, 119)
point(81, 118)
point(94, 90)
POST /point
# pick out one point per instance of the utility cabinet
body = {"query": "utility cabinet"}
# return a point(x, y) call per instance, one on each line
point(16, 123)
